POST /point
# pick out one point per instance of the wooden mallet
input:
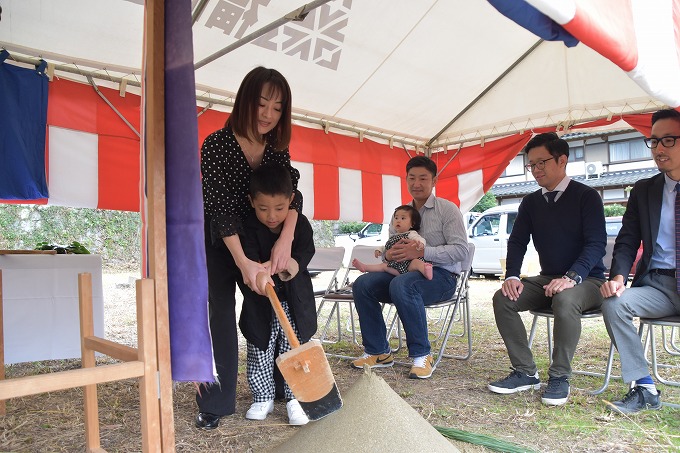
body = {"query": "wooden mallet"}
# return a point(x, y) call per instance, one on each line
point(306, 369)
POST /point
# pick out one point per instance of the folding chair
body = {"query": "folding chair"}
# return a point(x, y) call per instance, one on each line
point(343, 294)
point(327, 259)
point(547, 313)
point(452, 310)
point(669, 344)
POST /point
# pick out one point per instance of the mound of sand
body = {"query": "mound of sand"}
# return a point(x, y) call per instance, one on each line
point(373, 419)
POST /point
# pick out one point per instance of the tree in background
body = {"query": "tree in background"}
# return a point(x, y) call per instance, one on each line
point(115, 235)
point(487, 201)
point(613, 210)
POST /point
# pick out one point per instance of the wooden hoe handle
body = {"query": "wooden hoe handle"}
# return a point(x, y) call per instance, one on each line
point(281, 315)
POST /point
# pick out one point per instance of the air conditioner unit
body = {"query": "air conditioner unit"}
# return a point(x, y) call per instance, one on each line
point(593, 170)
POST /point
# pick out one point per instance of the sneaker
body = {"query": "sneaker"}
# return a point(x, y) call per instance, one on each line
point(515, 382)
point(557, 391)
point(296, 416)
point(422, 367)
point(259, 411)
point(374, 361)
point(636, 400)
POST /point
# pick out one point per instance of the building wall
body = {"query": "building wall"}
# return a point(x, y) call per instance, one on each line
point(596, 155)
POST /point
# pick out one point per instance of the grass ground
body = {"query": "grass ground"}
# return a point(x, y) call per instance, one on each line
point(455, 396)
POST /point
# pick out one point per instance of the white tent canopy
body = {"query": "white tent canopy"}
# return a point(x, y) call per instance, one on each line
point(422, 73)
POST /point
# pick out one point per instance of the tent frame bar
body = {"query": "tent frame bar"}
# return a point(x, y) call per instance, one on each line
point(198, 11)
point(298, 14)
point(116, 111)
point(391, 138)
point(486, 90)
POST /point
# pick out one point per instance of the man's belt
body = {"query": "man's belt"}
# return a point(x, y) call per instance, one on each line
point(666, 272)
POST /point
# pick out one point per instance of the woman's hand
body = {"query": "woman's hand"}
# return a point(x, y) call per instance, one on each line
point(281, 250)
point(280, 256)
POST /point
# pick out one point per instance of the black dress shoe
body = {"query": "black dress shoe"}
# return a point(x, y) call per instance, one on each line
point(205, 420)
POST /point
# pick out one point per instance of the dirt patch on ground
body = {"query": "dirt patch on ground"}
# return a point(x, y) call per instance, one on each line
point(455, 396)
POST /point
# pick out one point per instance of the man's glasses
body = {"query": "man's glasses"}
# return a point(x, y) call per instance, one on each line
point(540, 164)
point(668, 141)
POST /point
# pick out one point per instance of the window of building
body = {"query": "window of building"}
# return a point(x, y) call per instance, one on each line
point(516, 167)
point(576, 154)
point(628, 150)
point(614, 194)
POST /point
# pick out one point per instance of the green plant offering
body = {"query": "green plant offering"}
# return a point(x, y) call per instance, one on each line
point(74, 248)
point(489, 442)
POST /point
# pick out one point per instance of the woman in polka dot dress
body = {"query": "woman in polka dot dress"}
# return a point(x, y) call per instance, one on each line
point(406, 223)
point(257, 132)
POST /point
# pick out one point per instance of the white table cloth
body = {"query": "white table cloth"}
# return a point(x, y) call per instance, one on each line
point(40, 301)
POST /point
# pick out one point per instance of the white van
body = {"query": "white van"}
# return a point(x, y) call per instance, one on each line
point(490, 235)
point(374, 234)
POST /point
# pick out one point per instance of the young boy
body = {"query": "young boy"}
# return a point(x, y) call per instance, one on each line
point(270, 194)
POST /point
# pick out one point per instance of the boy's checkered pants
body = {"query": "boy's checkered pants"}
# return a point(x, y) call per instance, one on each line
point(260, 364)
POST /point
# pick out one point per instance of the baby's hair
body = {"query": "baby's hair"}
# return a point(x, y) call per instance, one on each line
point(271, 179)
point(415, 215)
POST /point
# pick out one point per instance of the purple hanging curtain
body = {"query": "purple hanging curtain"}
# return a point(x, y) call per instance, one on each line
point(190, 345)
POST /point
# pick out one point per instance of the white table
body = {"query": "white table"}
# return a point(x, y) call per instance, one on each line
point(40, 301)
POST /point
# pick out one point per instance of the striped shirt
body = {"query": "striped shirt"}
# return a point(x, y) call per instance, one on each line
point(443, 228)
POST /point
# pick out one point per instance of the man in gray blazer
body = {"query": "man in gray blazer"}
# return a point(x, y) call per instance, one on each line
point(650, 218)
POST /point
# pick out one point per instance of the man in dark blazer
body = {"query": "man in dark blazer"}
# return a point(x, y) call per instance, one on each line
point(650, 219)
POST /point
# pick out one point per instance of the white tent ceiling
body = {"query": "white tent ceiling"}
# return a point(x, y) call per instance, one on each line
point(436, 71)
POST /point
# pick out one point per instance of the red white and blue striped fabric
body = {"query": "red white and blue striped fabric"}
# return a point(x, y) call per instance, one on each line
point(642, 37)
point(93, 161)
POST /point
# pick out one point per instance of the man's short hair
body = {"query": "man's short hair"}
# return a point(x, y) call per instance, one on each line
point(422, 161)
point(665, 114)
point(552, 142)
point(271, 179)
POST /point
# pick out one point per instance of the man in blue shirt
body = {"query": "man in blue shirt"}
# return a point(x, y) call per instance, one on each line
point(444, 231)
point(565, 219)
point(650, 218)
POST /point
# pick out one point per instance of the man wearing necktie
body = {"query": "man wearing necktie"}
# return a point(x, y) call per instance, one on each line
point(565, 219)
point(651, 217)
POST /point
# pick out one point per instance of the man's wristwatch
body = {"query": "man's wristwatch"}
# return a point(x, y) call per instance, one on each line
point(572, 275)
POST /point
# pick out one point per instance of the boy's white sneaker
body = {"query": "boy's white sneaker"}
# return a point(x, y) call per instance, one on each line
point(259, 411)
point(296, 416)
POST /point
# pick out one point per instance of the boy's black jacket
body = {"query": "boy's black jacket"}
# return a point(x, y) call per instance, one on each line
point(257, 314)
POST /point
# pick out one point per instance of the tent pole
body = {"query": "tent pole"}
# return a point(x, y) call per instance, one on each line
point(113, 107)
point(154, 143)
point(295, 15)
point(483, 93)
point(198, 11)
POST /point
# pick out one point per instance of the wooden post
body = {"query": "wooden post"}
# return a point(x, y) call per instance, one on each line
point(154, 140)
point(91, 409)
point(146, 353)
